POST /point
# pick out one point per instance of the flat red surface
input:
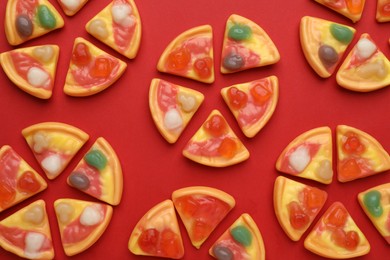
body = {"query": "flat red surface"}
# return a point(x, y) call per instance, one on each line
point(153, 169)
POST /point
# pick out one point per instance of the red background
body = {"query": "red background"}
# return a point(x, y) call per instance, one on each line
point(152, 168)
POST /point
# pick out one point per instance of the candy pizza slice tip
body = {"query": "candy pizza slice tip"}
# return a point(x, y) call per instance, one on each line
point(215, 144)
point(242, 240)
point(26, 20)
point(81, 223)
point(71, 7)
point(118, 26)
point(352, 9)
point(99, 173)
point(157, 233)
point(324, 43)
point(26, 233)
point(32, 69)
point(252, 103)
point(91, 70)
point(201, 209)
point(309, 156)
point(246, 45)
point(359, 154)
point(54, 145)
point(383, 11)
point(190, 55)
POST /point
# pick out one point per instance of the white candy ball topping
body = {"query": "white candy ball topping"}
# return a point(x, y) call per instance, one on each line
point(52, 164)
point(91, 216)
point(187, 102)
point(172, 119)
point(365, 48)
point(121, 14)
point(71, 5)
point(98, 28)
point(299, 159)
point(33, 243)
point(37, 77)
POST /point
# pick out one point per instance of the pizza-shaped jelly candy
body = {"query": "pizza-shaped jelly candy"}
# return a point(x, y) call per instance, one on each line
point(54, 144)
point(118, 26)
point(18, 180)
point(157, 233)
point(190, 55)
point(99, 173)
point(172, 107)
point(309, 156)
point(365, 68)
point(71, 7)
point(383, 11)
point(376, 204)
point(359, 154)
point(81, 223)
point(242, 240)
point(336, 235)
point(25, 20)
point(252, 103)
point(296, 205)
point(32, 69)
point(246, 45)
point(351, 9)
point(201, 209)
point(26, 233)
point(215, 144)
point(91, 70)
point(324, 43)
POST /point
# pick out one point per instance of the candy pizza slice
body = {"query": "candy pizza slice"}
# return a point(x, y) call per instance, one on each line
point(324, 43)
point(71, 7)
point(26, 20)
point(201, 209)
point(365, 68)
point(26, 233)
point(32, 69)
point(190, 55)
point(376, 204)
point(157, 233)
point(336, 235)
point(81, 223)
point(252, 103)
point(54, 145)
point(99, 173)
point(351, 9)
point(246, 45)
point(383, 11)
point(359, 154)
point(91, 70)
point(215, 144)
point(242, 240)
point(309, 156)
point(118, 25)
point(296, 206)
point(172, 107)
point(18, 180)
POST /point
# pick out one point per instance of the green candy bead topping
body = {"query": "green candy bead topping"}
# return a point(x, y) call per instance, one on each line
point(239, 32)
point(96, 158)
point(242, 235)
point(46, 17)
point(342, 33)
point(372, 201)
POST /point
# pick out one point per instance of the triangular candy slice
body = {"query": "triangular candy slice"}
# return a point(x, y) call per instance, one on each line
point(242, 240)
point(383, 11)
point(157, 233)
point(252, 103)
point(365, 68)
point(81, 223)
point(376, 204)
point(201, 209)
point(32, 69)
point(91, 70)
point(336, 235)
point(246, 45)
point(26, 233)
point(172, 107)
point(71, 7)
point(359, 154)
point(309, 156)
point(324, 43)
point(350, 9)
point(118, 25)
point(190, 55)
point(54, 145)
point(99, 173)
point(18, 180)
point(26, 20)
point(215, 144)
point(296, 205)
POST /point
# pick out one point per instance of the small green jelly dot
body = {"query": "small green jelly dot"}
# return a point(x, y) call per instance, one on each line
point(46, 17)
point(342, 33)
point(242, 235)
point(372, 201)
point(96, 159)
point(239, 32)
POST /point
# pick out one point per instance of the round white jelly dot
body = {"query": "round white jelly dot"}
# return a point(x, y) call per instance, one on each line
point(37, 77)
point(121, 14)
point(325, 171)
point(71, 5)
point(52, 164)
point(299, 159)
point(91, 216)
point(187, 102)
point(365, 48)
point(33, 243)
point(172, 119)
